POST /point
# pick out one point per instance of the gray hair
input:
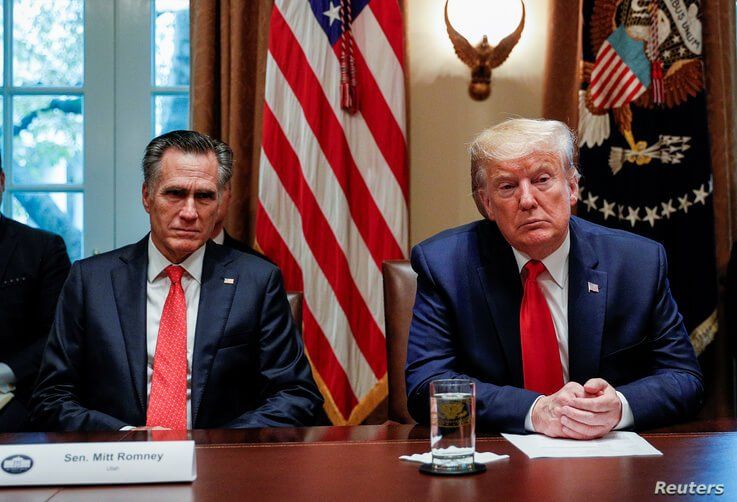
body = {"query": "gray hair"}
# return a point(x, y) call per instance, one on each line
point(515, 139)
point(191, 142)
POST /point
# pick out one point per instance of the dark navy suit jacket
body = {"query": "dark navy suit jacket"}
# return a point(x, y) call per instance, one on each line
point(234, 243)
point(248, 365)
point(466, 324)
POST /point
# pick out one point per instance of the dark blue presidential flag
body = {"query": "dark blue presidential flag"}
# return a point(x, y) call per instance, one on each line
point(644, 141)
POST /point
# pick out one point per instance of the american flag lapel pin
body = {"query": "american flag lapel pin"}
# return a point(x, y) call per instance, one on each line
point(593, 288)
point(230, 280)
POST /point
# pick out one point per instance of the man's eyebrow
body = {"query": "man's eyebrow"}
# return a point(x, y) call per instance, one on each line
point(496, 176)
point(172, 188)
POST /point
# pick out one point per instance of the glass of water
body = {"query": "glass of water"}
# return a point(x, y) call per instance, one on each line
point(452, 424)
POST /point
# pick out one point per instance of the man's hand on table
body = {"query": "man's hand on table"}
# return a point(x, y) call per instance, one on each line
point(578, 412)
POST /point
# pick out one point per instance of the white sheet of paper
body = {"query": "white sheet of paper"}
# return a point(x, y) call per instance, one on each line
point(614, 444)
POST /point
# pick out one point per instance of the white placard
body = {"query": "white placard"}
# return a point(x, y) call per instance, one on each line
point(614, 444)
point(97, 463)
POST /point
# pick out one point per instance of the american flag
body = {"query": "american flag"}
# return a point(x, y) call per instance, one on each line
point(621, 71)
point(333, 188)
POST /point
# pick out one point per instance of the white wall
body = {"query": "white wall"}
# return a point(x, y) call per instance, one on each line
point(444, 119)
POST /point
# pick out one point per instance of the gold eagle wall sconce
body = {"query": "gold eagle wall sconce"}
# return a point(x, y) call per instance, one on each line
point(483, 57)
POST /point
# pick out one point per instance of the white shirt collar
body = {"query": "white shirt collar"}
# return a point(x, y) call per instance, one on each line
point(219, 238)
point(556, 262)
point(157, 262)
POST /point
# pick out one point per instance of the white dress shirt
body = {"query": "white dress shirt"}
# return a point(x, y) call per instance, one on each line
point(554, 285)
point(157, 289)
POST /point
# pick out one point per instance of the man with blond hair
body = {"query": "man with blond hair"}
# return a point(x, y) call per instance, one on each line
point(567, 328)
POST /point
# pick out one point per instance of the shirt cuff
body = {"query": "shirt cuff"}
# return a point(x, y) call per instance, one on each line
point(628, 419)
point(528, 418)
point(7, 378)
point(127, 428)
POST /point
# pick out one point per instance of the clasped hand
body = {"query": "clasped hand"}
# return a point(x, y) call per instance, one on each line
point(578, 411)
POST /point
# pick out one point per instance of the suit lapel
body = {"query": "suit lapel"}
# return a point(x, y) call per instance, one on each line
point(129, 287)
point(502, 288)
point(8, 242)
point(216, 298)
point(586, 307)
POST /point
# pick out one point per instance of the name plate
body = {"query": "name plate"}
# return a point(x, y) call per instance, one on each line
point(97, 463)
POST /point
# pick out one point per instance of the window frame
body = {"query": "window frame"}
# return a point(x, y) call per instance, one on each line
point(119, 89)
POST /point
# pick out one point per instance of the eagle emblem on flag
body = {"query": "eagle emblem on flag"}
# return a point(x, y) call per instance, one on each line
point(649, 56)
point(644, 145)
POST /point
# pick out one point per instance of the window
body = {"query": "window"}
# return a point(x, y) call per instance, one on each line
point(85, 85)
point(170, 101)
point(43, 116)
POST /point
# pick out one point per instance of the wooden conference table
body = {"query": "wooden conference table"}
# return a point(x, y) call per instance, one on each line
point(360, 463)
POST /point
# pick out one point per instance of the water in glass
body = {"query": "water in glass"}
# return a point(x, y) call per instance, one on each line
point(452, 425)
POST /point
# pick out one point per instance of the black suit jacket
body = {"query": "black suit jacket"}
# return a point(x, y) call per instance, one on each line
point(33, 267)
point(248, 365)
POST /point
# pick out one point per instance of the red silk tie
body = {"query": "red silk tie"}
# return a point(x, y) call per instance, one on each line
point(167, 403)
point(540, 356)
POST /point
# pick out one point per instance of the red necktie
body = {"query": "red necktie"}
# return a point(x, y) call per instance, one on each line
point(540, 357)
point(167, 403)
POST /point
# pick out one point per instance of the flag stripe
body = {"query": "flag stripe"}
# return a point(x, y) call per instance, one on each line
point(317, 292)
point(603, 68)
point(326, 190)
point(389, 18)
point(609, 65)
point(291, 60)
point(626, 88)
point(375, 111)
point(607, 79)
point(639, 89)
point(334, 185)
point(323, 244)
point(620, 70)
point(386, 71)
point(606, 55)
point(277, 251)
point(369, 152)
point(321, 353)
point(620, 87)
point(333, 375)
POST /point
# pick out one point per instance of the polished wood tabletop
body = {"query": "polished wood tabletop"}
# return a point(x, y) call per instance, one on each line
point(361, 463)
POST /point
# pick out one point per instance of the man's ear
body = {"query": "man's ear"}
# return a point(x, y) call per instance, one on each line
point(225, 196)
point(486, 202)
point(144, 198)
point(573, 187)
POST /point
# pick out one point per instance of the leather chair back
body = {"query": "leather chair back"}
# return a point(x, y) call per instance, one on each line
point(400, 286)
point(295, 305)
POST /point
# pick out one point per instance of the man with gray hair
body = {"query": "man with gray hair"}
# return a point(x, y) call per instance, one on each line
point(567, 328)
point(175, 332)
